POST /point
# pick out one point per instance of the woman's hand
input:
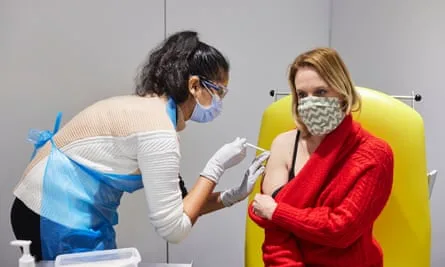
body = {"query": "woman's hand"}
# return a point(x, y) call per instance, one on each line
point(226, 157)
point(239, 193)
point(264, 206)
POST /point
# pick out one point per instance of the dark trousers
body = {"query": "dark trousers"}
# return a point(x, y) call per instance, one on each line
point(26, 226)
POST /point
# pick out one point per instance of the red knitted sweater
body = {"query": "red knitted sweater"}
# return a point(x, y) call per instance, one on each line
point(325, 215)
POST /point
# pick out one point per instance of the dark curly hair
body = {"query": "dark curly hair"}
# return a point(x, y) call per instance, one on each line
point(169, 66)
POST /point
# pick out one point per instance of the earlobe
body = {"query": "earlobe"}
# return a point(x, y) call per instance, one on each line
point(344, 105)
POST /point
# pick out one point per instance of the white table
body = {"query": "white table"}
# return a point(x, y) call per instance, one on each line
point(141, 264)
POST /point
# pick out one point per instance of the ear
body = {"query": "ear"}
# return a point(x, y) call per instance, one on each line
point(344, 103)
point(193, 85)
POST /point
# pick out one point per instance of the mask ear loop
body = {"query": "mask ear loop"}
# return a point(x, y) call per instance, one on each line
point(344, 105)
point(213, 96)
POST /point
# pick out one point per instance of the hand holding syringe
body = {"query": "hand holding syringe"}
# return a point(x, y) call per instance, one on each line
point(255, 171)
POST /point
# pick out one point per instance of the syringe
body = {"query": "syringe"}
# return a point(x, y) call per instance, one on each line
point(256, 147)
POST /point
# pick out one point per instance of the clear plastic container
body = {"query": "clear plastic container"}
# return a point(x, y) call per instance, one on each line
point(123, 257)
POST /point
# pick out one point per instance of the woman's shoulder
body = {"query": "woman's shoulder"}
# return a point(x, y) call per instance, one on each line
point(285, 139)
point(126, 114)
point(374, 149)
point(131, 101)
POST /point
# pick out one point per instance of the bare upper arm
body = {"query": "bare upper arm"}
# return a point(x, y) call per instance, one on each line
point(277, 168)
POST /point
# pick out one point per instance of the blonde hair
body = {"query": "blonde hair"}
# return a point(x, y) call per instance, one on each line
point(331, 68)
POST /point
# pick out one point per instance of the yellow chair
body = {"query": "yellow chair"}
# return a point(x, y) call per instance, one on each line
point(403, 228)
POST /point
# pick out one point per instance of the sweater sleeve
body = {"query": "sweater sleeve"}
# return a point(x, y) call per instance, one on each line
point(340, 226)
point(280, 249)
point(159, 158)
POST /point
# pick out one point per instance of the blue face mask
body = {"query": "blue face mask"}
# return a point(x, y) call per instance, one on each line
point(206, 114)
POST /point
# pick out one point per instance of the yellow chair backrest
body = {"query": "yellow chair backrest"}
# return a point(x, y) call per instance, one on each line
point(403, 228)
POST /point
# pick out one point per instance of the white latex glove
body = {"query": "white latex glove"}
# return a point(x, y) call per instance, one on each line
point(237, 194)
point(226, 157)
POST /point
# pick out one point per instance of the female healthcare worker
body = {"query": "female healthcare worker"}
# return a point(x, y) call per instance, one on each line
point(67, 198)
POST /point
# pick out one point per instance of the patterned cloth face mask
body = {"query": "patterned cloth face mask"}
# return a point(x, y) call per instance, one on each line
point(321, 115)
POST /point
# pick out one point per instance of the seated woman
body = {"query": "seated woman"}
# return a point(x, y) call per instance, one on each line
point(328, 180)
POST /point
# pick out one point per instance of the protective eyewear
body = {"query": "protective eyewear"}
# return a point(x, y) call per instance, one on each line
point(220, 89)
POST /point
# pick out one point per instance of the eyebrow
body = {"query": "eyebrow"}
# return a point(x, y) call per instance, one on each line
point(316, 88)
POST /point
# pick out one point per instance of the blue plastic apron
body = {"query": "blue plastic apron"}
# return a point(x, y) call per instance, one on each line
point(79, 204)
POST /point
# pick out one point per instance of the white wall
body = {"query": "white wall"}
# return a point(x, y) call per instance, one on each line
point(397, 47)
point(260, 38)
point(63, 55)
